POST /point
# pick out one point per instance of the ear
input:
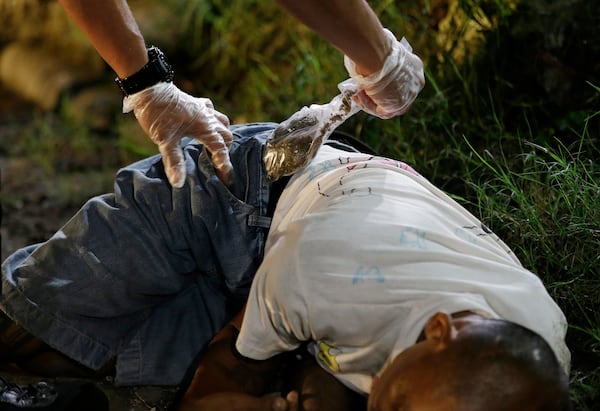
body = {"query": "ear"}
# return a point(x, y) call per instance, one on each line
point(440, 330)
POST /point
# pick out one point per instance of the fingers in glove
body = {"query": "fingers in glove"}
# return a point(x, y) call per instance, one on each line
point(365, 102)
point(222, 164)
point(224, 131)
point(168, 114)
point(205, 101)
point(396, 97)
point(216, 143)
point(395, 86)
point(174, 163)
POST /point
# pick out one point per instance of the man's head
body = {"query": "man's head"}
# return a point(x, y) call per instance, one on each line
point(471, 363)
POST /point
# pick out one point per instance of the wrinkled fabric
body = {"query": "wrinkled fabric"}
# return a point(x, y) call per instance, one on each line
point(148, 273)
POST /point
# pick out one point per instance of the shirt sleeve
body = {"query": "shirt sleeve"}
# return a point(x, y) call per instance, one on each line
point(276, 317)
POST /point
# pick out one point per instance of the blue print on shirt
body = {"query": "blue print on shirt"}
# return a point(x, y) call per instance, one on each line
point(412, 237)
point(314, 170)
point(369, 273)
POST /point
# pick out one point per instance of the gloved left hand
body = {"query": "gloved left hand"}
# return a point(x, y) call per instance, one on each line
point(390, 91)
point(168, 114)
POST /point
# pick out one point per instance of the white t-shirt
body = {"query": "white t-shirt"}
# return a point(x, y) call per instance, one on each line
point(362, 252)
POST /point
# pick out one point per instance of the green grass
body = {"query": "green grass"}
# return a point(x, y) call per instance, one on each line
point(488, 128)
point(545, 202)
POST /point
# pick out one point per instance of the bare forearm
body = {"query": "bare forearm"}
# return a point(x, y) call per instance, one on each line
point(350, 25)
point(113, 31)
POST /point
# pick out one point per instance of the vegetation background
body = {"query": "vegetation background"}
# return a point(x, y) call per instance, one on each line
point(509, 122)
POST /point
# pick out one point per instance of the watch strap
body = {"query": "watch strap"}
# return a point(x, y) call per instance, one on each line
point(155, 71)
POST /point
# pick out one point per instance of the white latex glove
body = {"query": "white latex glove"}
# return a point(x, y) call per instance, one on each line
point(168, 114)
point(390, 91)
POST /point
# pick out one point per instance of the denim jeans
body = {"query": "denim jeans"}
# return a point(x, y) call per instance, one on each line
point(148, 274)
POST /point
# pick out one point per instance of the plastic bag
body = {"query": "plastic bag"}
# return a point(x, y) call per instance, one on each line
point(295, 141)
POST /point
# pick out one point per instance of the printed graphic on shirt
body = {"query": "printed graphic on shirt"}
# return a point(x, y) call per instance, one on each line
point(384, 161)
point(472, 233)
point(350, 192)
point(363, 274)
point(325, 166)
point(314, 170)
point(412, 237)
point(326, 356)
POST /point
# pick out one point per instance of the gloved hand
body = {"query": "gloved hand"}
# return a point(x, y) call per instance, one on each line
point(168, 114)
point(295, 141)
point(390, 91)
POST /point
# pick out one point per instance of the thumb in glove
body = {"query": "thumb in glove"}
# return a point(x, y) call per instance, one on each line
point(168, 114)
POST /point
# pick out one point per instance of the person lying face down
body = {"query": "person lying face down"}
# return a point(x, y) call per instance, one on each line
point(402, 295)
point(395, 289)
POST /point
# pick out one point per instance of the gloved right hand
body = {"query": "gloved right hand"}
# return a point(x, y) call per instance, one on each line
point(168, 114)
point(390, 91)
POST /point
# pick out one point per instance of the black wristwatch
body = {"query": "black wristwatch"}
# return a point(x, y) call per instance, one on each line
point(155, 71)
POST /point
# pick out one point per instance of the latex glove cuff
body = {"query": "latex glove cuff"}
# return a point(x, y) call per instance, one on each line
point(394, 61)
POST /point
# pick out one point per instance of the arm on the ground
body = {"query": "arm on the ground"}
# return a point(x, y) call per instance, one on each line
point(224, 379)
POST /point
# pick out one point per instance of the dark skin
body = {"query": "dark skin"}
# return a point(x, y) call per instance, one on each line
point(320, 390)
point(226, 380)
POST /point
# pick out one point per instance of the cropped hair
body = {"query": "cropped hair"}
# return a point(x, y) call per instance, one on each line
point(505, 366)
